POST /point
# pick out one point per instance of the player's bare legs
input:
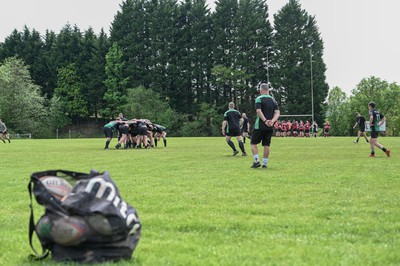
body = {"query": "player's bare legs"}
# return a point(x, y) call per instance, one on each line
point(266, 151)
point(373, 142)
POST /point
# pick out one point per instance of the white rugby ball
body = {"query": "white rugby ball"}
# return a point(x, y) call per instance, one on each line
point(58, 187)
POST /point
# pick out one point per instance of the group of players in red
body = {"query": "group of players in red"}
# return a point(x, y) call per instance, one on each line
point(299, 128)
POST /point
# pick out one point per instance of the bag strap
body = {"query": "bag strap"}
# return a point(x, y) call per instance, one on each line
point(75, 175)
point(45, 251)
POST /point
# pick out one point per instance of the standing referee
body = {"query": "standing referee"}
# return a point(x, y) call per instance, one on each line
point(267, 114)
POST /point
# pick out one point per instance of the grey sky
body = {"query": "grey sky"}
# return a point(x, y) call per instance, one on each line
point(361, 36)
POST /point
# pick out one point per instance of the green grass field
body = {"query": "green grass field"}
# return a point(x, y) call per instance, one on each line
point(321, 202)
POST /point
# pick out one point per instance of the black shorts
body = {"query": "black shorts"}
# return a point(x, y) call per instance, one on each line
point(361, 129)
point(124, 130)
point(307, 131)
point(5, 132)
point(108, 132)
point(263, 136)
point(160, 131)
point(233, 133)
point(134, 132)
point(374, 134)
point(142, 131)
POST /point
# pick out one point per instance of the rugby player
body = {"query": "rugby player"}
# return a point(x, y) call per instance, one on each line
point(361, 127)
point(267, 114)
point(376, 119)
point(4, 132)
point(159, 132)
point(327, 127)
point(109, 129)
point(231, 128)
point(307, 127)
point(245, 127)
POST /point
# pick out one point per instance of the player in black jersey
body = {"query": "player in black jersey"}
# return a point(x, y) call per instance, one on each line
point(361, 127)
point(142, 133)
point(123, 131)
point(160, 132)
point(376, 119)
point(245, 127)
point(231, 128)
point(267, 114)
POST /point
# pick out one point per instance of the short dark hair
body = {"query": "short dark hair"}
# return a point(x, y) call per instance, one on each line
point(372, 104)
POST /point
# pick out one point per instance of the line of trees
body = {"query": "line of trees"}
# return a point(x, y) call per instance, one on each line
point(178, 54)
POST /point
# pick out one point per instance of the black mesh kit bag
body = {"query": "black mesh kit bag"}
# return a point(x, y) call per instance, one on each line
point(85, 218)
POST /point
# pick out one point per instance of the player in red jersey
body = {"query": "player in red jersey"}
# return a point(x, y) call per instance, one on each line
point(295, 126)
point(289, 128)
point(327, 127)
point(307, 127)
point(276, 129)
point(280, 128)
point(284, 128)
point(301, 128)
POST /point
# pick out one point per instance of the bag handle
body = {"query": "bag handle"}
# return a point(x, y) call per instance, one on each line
point(75, 175)
point(45, 251)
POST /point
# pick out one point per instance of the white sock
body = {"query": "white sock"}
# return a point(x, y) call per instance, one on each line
point(256, 158)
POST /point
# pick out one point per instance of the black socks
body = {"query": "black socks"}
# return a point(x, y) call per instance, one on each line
point(230, 143)
point(241, 146)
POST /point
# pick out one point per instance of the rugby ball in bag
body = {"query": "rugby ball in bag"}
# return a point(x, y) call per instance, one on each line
point(100, 224)
point(58, 187)
point(43, 228)
point(70, 231)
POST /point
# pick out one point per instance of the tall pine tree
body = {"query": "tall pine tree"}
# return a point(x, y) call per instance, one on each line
point(297, 42)
point(224, 34)
point(193, 54)
point(130, 30)
point(253, 40)
point(49, 69)
point(242, 41)
point(69, 91)
point(92, 69)
point(116, 83)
